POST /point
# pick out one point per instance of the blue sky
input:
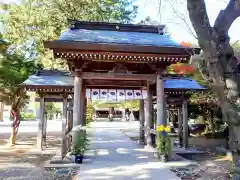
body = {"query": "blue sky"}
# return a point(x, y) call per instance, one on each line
point(173, 13)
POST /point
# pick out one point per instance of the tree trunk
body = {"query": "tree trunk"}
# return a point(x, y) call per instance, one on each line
point(234, 137)
point(221, 64)
point(15, 115)
point(211, 124)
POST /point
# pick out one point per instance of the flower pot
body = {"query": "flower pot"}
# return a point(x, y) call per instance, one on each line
point(77, 159)
point(163, 158)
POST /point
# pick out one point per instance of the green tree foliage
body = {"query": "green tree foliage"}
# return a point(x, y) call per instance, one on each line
point(14, 69)
point(89, 113)
point(41, 20)
point(130, 104)
point(51, 109)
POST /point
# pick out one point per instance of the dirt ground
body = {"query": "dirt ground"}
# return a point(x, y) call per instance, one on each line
point(25, 162)
point(210, 166)
point(210, 163)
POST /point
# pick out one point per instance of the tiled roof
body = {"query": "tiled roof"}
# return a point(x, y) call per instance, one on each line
point(49, 78)
point(46, 79)
point(118, 37)
point(182, 83)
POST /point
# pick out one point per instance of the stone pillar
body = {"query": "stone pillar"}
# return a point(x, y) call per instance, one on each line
point(161, 119)
point(142, 122)
point(40, 123)
point(180, 127)
point(149, 117)
point(77, 101)
point(185, 123)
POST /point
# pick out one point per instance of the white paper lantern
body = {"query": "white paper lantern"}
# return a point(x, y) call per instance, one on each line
point(95, 94)
point(112, 94)
point(103, 94)
point(121, 94)
point(137, 94)
point(129, 94)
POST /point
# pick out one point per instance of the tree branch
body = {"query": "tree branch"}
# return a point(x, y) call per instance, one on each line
point(183, 19)
point(227, 16)
point(200, 21)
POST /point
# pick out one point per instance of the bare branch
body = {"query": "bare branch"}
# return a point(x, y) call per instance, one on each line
point(183, 19)
point(227, 16)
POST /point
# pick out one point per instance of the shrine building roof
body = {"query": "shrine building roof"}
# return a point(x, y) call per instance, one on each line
point(52, 80)
point(118, 42)
point(118, 37)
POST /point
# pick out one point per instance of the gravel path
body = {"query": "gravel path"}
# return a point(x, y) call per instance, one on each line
point(116, 157)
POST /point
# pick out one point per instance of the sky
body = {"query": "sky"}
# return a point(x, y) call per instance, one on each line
point(174, 15)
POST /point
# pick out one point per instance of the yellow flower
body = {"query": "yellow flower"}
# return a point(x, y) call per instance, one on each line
point(160, 128)
point(167, 129)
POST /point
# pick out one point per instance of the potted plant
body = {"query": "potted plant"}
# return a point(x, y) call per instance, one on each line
point(163, 142)
point(79, 145)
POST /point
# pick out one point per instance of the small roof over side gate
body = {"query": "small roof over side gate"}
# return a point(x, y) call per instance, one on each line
point(48, 80)
point(57, 80)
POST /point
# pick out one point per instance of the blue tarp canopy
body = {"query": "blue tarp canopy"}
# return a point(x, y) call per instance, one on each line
point(182, 83)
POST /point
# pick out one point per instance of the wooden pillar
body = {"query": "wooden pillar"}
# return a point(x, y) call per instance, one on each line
point(180, 127)
point(77, 101)
point(123, 114)
point(40, 123)
point(185, 123)
point(142, 122)
point(82, 102)
point(1, 111)
point(44, 129)
point(84, 110)
point(169, 120)
point(64, 123)
point(161, 119)
point(70, 111)
point(149, 117)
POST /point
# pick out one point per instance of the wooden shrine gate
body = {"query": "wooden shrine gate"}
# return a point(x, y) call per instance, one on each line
point(50, 94)
point(112, 56)
point(67, 126)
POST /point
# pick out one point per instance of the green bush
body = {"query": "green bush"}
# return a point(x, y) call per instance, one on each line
point(80, 141)
point(27, 116)
point(89, 113)
point(163, 144)
point(51, 110)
